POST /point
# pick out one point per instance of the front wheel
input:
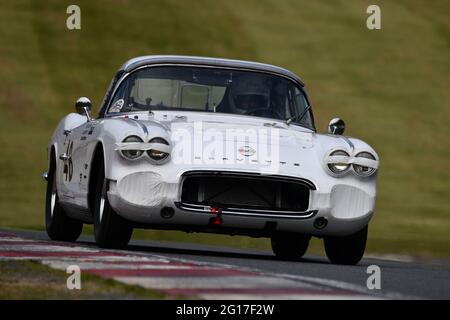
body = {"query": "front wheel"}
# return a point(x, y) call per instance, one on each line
point(347, 250)
point(290, 246)
point(110, 229)
point(57, 224)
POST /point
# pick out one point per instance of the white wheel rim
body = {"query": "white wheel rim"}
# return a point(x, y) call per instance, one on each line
point(102, 201)
point(53, 196)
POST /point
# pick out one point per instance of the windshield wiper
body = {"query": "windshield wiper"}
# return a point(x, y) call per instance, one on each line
point(299, 117)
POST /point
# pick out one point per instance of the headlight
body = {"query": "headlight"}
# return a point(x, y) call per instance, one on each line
point(363, 170)
point(132, 154)
point(338, 167)
point(155, 154)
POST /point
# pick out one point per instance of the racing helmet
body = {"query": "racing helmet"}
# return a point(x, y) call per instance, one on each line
point(249, 93)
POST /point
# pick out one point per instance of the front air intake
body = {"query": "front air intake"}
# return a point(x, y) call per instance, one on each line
point(241, 191)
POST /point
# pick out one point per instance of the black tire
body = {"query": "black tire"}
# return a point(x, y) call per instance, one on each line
point(110, 229)
point(290, 246)
point(347, 250)
point(58, 225)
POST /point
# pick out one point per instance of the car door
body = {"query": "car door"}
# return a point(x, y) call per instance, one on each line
point(83, 156)
point(73, 164)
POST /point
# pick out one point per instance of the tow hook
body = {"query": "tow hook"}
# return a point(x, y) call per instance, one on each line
point(217, 213)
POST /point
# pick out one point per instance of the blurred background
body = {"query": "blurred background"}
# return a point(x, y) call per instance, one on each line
point(391, 86)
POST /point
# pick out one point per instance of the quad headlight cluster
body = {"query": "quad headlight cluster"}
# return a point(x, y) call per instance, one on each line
point(339, 162)
point(133, 148)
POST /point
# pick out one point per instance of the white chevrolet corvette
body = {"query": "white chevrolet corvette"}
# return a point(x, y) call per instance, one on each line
point(210, 145)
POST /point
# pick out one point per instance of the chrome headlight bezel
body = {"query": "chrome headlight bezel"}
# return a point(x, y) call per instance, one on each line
point(128, 154)
point(359, 169)
point(158, 156)
point(338, 168)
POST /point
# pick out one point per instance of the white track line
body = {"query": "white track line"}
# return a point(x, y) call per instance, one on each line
point(228, 282)
point(214, 296)
point(45, 248)
point(62, 265)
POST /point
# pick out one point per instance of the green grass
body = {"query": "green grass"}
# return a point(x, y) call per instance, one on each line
point(390, 86)
point(21, 280)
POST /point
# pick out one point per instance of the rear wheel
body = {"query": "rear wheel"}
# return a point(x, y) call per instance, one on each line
point(290, 246)
point(110, 229)
point(347, 250)
point(58, 225)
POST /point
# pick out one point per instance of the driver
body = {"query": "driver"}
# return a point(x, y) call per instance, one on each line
point(248, 95)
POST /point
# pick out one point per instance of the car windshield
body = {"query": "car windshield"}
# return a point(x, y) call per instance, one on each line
point(212, 90)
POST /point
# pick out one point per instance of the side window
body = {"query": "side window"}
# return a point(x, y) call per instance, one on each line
point(119, 99)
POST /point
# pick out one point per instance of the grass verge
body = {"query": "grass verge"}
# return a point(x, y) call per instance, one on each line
point(31, 280)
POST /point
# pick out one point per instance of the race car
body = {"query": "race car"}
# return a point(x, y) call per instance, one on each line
point(212, 145)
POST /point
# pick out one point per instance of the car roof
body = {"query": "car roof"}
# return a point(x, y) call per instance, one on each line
point(137, 62)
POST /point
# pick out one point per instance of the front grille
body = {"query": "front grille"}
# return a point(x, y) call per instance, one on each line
point(246, 193)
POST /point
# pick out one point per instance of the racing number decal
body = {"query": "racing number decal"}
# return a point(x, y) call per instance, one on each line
point(68, 164)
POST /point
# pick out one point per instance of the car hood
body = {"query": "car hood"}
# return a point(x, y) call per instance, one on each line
point(240, 142)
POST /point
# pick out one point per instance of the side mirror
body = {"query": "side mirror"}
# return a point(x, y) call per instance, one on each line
point(336, 126)
point(84, 106)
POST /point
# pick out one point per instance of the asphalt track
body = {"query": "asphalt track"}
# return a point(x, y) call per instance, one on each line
point(312, 277)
